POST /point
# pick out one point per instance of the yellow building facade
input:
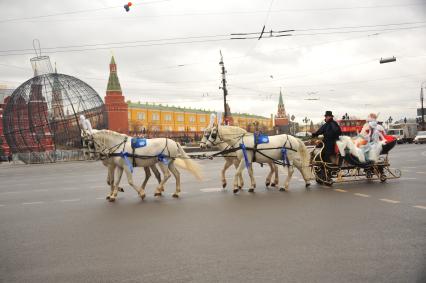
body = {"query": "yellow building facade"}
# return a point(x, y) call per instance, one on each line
point(161, 118)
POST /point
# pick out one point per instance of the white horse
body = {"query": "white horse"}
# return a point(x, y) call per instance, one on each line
point(232, 159)
point(165, 152)
point(296, 153)
point(109, 163)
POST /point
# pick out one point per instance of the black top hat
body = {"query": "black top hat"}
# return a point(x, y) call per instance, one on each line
point(328, 113)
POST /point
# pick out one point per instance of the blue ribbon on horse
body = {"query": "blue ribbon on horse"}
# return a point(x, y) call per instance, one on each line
point(125, 155)
point(139, 142)
point(243, 147)
point(260, 138)
point(162, 158)
point(284, 156)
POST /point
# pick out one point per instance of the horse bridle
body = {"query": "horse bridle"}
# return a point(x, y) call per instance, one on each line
point(206, 136)
point(105, 151)
point(214, 134)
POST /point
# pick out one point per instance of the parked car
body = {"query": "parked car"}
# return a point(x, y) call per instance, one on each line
point(420, 137)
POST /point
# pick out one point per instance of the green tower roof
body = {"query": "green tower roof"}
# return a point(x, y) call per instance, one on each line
point(113, 82)
point(281, 102)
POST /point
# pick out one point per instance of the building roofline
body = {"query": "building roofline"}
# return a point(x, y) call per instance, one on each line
point(134, 105)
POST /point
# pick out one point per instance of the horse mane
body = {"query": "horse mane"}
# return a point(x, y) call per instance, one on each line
point(231, 130)
point(110, 133)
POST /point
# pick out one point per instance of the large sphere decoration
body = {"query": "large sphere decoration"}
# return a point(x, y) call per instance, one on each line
point(42, 114)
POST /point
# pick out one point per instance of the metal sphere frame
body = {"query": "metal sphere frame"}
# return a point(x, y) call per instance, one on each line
point(42, 113)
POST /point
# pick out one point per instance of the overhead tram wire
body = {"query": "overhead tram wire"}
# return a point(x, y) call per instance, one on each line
point(224, 36)
point(121, 47)
point(273, 34)
point(121, 42)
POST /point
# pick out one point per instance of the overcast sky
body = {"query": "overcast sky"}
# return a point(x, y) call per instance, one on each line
point(323, 59)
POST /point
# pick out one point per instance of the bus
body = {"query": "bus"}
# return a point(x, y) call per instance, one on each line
point(351, 127)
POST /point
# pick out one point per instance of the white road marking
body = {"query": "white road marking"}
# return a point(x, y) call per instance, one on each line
point(34, 202)
point(409, 167)
point(71, 189)
point(40, 190)
point(389, 200)
point(362, 195)
point(420, 206)
point(11, 192)
point(407, 178)
point(340, 191)
point(412, 160)
point(421, 172)
point(210, 190)
point(69, 200)
point(101, 198)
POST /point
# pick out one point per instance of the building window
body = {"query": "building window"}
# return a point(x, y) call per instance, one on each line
point(168, 117)
point(155, 116)
point(168, 128)
point(191, 119)
point(141, 116)
point(181, 129)
point(129, 115)
point(202, 119)
point(192, 129)
point(180, 118)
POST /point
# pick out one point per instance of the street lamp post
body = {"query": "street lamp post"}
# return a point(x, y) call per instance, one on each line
point(421, 101)
point(389, 121)
point(306, 120)
point(292, 123)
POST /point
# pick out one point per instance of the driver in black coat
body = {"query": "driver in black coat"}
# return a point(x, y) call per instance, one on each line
point(331, 132)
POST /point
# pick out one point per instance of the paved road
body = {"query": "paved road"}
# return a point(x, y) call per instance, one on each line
point(55, 226)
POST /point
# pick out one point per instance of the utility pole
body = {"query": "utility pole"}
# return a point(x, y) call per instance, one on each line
point(225, 90)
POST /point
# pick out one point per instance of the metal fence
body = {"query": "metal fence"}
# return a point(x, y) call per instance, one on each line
point(48, 156)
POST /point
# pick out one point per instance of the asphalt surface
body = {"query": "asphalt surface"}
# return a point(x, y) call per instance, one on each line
point(56, 226)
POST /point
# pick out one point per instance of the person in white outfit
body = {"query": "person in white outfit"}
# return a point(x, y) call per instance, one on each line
point(373, 133)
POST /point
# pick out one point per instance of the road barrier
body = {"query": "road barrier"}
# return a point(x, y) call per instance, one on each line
point(48, 156)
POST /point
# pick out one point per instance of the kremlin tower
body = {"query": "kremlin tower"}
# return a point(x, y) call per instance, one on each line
point(115, 105)
point(281, 119)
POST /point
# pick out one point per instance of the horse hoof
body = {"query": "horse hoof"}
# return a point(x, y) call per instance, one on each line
point(224, 185)
point(307, 185)
point(282, 190)
point(273, 185)
point(108, 197)
point(251, 190)
point(236, 191)
point(175, 195)
point(142, 196)
point(120, 189)
point(162, 189)
point(111, 199)
point(267, 184)
point(157, 194)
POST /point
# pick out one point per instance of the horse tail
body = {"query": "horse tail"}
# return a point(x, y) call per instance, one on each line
point(305, 157)
point(183, 161)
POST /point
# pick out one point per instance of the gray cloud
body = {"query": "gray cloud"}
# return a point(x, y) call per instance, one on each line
point(342, 69)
